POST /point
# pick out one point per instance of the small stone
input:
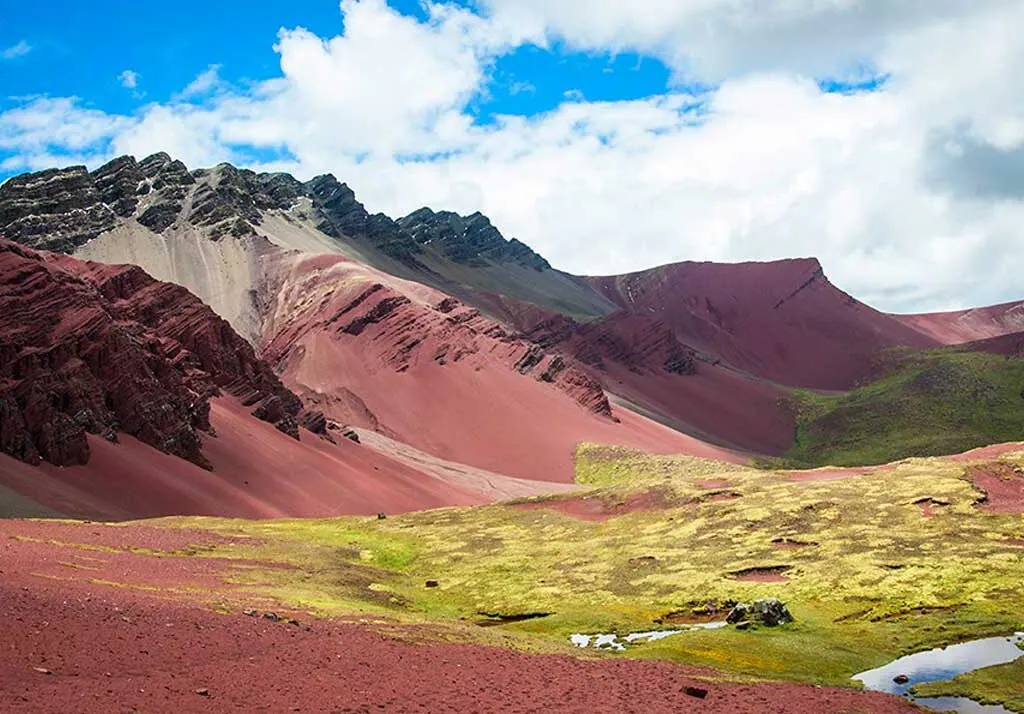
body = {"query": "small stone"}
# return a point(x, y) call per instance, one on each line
point(42, 670)
point(203, 692)
point(743, 625)
point(294, 623)
point(250, 613)
point(432, 584)
point(696, 692)
point(381, 517)
point(272, 616)
point(901, 679)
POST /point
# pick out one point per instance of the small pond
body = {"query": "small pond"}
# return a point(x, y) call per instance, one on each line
point(942, 664)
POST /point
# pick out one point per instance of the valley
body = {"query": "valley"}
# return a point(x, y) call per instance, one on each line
point(227, 394)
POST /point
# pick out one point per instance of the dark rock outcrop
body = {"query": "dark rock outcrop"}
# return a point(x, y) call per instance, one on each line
point(643, 344)
point(469, 240)
point(90, 348)
point(57, 209)
point(771, 612)
point(341, 215)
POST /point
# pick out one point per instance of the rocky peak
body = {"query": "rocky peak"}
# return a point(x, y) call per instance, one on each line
point(56, 209)
point(471, 240)
point(341, 215)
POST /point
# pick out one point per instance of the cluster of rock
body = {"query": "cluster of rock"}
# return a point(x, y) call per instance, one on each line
point(96, 349)
point(61, 209)
point(771, 612)
point(468, 240)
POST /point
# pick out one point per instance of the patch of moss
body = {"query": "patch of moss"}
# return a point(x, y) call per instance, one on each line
point(875, 581)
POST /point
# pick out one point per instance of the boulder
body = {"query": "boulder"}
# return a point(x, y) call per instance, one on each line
point(771, 612)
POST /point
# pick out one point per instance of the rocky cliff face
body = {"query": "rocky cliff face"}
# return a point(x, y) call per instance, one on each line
point(91, 348)
point(469, 240)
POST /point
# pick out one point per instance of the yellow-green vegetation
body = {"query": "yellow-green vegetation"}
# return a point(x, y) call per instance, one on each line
point(930, 403)
point(994, 685)
point(870, 577)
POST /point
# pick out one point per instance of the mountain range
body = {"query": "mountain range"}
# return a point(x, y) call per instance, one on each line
point(224, 342)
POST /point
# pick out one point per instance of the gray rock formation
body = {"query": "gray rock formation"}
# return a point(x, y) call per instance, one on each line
point(470, 240)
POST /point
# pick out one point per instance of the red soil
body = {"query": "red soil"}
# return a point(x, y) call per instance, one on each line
point(988, 452)
point(88, 648)
point(762, 578)
point(782, 321)
point(258, 472)
point(954, 328)
point(716, 403)
point(444, 379)
point(1004, 485)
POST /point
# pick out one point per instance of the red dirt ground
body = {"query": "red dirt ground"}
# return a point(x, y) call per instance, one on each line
point(1004, 485)
point(88, 648)
point(258, 473)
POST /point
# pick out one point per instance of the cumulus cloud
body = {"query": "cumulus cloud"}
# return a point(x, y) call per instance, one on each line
point(19, 49)
point(910, 194)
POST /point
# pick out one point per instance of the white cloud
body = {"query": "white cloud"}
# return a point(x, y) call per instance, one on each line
point(205, 83)
point(129, 79)
point(19, 49)
point(908, 195)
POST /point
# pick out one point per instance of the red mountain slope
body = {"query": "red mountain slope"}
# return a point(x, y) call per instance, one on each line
point(441, 377)
point(781, 321)
point(954, 328)
point(106, 382)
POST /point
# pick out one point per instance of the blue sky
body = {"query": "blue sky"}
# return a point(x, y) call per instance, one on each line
point(609, 136)
point(168, 44)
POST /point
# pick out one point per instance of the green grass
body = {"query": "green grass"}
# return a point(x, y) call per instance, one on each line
point(929, 404)
point(994, 685)
point(876, 579)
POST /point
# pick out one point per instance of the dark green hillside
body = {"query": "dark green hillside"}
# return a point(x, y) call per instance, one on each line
point(928, 404)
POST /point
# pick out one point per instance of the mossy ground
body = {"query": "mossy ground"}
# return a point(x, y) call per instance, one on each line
point(928, 404)
point(871, 578)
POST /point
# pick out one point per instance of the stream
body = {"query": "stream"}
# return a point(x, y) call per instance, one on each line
point(618, 644)
point(942, 664)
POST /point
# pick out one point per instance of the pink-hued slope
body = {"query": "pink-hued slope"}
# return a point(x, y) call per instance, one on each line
point(954, 328)
point(782, 321)
point(444, 379)
point(258, 472)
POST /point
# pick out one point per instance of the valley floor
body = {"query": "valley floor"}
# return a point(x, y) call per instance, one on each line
point(127, 619)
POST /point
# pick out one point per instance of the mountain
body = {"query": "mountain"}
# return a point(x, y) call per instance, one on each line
point(124, 397)
point(781, 321)
point(954, 328)
point(467, 411)
point(467, 354)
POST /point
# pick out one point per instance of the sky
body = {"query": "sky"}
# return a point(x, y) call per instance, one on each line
point(884, 137)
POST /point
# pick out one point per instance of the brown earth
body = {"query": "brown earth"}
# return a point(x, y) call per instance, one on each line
point(79, 645)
